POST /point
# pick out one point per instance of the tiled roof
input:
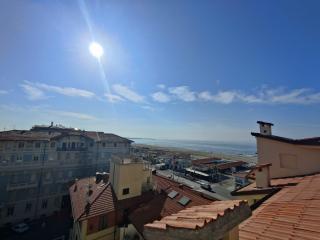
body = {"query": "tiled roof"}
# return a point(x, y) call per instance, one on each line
point(22, 135)
point(46, 135)
point(162, 205)
point(275, 184)
point(198, 216)
point(101, 136)
point(315, 141)
point(292, 213)
point(171, 206)
point(102, 200)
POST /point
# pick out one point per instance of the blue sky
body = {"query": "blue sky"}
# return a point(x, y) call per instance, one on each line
point(171, 69)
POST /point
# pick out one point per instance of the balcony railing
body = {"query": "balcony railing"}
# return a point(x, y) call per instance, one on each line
point(16, 186)
point(72, 149)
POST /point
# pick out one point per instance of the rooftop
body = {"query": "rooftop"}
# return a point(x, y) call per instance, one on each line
point(292, 213)
point(101, 200)
point(166, 202)
point(46, 134)
point(276, 184)
point(197, 216)
point(314, 141)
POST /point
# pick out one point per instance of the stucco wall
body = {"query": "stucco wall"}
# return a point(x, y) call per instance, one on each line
point(288, 159)
point(131, 175)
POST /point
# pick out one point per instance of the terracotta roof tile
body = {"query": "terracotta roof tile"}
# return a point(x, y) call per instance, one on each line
point(275, 184)
point(162, 205)
point(197, 216)
point(292, 213)
point(102, 200)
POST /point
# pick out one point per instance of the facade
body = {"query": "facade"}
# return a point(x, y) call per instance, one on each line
point(289, 157)
point(38, 165)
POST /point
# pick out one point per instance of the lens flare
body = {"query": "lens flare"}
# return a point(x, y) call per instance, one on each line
point(96, 50)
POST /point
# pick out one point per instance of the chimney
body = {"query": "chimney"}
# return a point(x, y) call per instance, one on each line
point(262, 173)
point(98, 177)
point(105, 177)
point(265, 128)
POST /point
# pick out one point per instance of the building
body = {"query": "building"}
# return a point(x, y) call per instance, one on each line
point(289, 157)
point(38, 165)
point(118, 208)
point(284, 201)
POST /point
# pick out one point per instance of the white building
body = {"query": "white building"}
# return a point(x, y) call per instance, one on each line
point(37, 166)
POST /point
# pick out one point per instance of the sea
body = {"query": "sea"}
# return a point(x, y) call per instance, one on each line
point(204, 146)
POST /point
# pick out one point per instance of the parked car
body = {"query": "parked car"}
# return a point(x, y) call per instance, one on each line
point(206, 186)
point(20, 228)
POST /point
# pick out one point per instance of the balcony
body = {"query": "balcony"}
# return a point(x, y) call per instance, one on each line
point(75, 149)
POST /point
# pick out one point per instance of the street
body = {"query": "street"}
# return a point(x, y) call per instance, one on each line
point(220, 189)
point(56, 227)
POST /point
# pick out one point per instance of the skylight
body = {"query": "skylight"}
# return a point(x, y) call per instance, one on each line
point(184, 200)
point(172, 194)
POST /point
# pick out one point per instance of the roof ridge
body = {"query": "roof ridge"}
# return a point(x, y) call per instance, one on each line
point(94, 200)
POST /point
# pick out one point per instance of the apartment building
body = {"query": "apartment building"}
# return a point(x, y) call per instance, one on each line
point(38, 165)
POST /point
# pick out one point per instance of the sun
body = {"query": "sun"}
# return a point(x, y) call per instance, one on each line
point(96, 49)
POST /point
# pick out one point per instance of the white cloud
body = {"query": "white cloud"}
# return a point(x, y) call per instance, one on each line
point(3, 92)
point(33, 93)
point(161, 86)
point(264, 96)
point(183, 93)
point(67, 91)
point(206, 95)
point(225, 97)
point(161, 97)
point(127, 93)
point(36, 90)
point(113, 98)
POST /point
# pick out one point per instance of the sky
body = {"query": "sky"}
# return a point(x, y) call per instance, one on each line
point(194, 70)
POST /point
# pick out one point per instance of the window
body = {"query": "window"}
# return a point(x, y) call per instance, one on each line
point(104, 144)
point(53, 144)
point(64, 145)
point(37, 145)
point(125, 191)
point(91, 144)
point(19, 158)
point(82, 144)
point(35, 158)
point(102, 222)
point(44, 204)
point(28, 207)
point(73, 145)
point(21, 145)
point(115, 144)
point(10, 211)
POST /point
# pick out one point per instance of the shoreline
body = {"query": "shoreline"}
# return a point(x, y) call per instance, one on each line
point(195, 154)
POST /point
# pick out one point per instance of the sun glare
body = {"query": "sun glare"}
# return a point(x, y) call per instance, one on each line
point(96, 49)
